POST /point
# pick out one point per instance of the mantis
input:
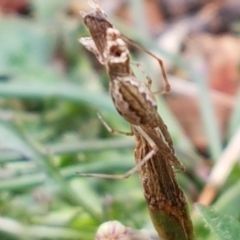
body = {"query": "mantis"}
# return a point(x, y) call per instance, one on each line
point(136, 103)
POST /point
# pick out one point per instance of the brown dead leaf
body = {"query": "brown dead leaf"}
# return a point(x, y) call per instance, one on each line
point(186, 110)
point(12, 6)
point(222, 58)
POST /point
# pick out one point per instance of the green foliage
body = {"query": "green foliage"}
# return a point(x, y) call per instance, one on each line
point(224, 227)
point(49, 131)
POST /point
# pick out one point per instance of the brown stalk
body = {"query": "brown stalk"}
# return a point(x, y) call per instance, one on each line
point(166, 202)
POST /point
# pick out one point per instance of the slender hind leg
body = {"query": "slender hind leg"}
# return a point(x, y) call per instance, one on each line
point(160, 62)
point(149, 79)
point(111, 130)
point(141, 162)
point(125, 175)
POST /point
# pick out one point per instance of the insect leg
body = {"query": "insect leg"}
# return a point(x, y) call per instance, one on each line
point(136, 168)
point(89, 44)
point(164, 74)
point(149, 79)
point(111, 130)
point(121, 176)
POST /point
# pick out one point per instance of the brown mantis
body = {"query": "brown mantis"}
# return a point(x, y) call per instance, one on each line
point(102, 44)
point(154, 153)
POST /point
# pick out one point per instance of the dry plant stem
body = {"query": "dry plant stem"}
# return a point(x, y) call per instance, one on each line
point(221, 170)
point(166, 203)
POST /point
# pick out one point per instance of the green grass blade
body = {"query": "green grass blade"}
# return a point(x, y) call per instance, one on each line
point(224, 227)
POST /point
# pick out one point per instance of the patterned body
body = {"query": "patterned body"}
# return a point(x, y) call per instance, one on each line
point(133, 100)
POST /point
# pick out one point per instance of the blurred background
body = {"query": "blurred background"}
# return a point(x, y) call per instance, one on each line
point(51, 89)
